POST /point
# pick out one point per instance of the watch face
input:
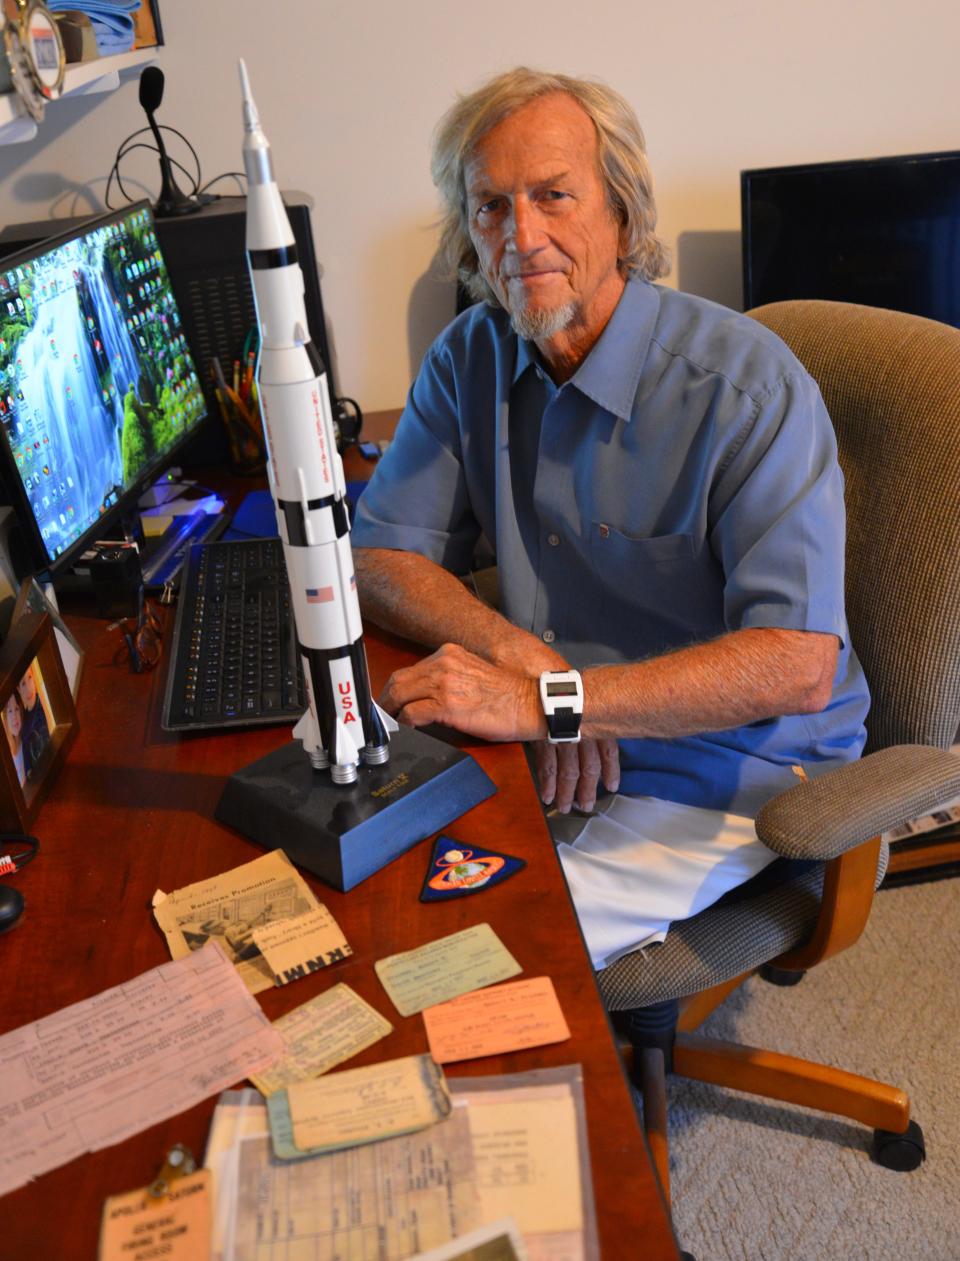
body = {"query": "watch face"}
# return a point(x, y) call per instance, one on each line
point(566, 688)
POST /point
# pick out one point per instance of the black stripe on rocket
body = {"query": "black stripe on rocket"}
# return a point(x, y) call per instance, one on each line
point(295, 521)
point(265, 260)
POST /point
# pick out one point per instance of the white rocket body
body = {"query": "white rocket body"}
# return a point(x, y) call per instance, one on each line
point(342, 723)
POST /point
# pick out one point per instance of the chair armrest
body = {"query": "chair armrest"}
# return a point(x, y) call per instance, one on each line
point(824, 817)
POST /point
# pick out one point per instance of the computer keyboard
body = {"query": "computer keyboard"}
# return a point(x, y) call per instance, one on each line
point(234, 659)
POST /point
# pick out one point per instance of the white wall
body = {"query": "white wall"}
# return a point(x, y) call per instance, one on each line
point(349, 92)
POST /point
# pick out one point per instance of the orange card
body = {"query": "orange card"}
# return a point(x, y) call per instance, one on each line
point(176, 1227)
point(494, 1020)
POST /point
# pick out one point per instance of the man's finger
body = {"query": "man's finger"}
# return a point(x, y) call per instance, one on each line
point(609, 752)
point(568, 775)
point(589, 757)
point(545, 756)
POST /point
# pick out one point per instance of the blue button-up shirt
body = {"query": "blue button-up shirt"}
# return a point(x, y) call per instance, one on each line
point(682, 484)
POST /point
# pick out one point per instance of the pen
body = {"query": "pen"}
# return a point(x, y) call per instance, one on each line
point(218, 374)
point(248, 376)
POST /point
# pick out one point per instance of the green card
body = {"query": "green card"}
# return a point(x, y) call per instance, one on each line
point(446, 968)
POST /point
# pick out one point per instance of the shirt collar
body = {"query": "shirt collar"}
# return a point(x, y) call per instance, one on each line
point(611, 372)
point(526, 357)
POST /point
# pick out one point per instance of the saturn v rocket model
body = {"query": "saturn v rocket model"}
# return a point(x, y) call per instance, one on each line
point(343, 725)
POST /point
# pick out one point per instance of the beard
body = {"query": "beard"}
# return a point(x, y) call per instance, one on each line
point(540, 324)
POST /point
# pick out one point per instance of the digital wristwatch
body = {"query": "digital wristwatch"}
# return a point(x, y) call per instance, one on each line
point(561, 695)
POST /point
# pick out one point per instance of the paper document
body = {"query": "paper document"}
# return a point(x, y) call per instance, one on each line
point(519, 1138)
point(446, 968)
point(389, 1200)
point(495, 1020)
point(362, 1105)
point(176, 1227)
point(101, 1070)
point(320, 1034)
point(532, 1161)
point(306, 943)
point(230, 907)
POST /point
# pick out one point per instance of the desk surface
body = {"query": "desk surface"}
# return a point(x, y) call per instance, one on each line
point(132, 811)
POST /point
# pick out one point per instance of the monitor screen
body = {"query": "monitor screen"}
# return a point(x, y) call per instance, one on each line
point(97, 385)
point(881, 232)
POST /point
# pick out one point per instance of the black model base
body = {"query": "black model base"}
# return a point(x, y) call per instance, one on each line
point(344, 833)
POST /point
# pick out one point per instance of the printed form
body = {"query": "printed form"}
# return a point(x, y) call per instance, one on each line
point(98, 1071)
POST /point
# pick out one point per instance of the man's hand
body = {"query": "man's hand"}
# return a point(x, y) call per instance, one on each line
point(461, 690)
point(570, 773)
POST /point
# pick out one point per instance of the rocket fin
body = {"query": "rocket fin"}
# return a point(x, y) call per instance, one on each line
point(389, 724)
point(307, 732)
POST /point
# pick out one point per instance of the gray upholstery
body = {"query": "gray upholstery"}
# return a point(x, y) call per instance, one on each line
point(721, 942)
point(891, 383)
point(825, 817)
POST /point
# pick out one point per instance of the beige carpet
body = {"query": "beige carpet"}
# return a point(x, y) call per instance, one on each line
point(757, 1181)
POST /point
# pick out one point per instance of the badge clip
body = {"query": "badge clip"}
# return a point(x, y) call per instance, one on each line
point(177, 1164)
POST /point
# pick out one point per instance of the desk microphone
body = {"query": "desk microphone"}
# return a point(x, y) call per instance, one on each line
point(171, 200)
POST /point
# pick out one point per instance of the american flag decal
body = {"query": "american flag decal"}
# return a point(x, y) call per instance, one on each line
point(353, 581)
point(319, 595)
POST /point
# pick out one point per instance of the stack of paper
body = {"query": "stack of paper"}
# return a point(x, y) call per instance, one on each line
point(512, 1147)
point(358, 1106)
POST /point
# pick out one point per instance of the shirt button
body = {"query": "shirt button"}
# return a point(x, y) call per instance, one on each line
point(548, 636)
point(604, 531)
point(553, 540)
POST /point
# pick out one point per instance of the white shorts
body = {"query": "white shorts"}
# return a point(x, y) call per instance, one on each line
point(643, 863)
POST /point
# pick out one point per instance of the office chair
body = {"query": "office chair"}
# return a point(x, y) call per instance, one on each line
point(892, 387)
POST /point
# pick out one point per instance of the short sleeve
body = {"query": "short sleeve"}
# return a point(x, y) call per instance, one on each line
point(417, 499)
point(777, 515)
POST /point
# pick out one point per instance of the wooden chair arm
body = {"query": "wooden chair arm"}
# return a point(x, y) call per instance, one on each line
point(848, 888)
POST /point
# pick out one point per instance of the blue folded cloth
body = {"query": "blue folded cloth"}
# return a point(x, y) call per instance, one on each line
point(112, 21)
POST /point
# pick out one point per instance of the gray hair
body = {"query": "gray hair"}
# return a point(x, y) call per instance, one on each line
point(621, 154)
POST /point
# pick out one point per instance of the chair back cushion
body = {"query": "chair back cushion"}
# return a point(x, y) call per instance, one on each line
point(891, 383)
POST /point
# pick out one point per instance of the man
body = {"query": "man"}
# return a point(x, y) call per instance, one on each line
point(658, 478)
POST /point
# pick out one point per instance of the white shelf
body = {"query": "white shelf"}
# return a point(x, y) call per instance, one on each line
point(84, 79)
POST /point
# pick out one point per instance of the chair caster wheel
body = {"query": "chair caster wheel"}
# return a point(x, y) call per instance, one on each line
point(901, 1152)
point(779, 976)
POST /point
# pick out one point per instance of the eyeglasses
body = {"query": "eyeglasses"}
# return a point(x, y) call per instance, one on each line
point(142, 635)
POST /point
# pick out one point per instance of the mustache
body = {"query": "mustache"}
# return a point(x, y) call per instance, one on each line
point(527, 271)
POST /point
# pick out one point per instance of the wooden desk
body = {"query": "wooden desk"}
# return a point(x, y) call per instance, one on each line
point(132, 811)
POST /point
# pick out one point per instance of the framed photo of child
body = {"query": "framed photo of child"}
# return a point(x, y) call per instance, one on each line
point(38, 717)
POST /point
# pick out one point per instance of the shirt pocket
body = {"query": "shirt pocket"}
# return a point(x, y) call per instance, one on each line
point(666, 579)
point(611, 548)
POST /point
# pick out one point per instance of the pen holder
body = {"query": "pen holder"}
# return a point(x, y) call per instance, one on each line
point(248, 453)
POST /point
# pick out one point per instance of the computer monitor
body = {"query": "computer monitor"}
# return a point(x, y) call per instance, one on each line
point(882, 232)
point(98, 389)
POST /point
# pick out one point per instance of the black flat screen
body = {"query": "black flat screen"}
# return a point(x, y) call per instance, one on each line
point(881, 232)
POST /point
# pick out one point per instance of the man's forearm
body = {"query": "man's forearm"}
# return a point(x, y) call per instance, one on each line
point(743, 677)
point(407, 594)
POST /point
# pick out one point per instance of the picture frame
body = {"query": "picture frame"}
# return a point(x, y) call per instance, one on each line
point(38, 719)
point(32, 598)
